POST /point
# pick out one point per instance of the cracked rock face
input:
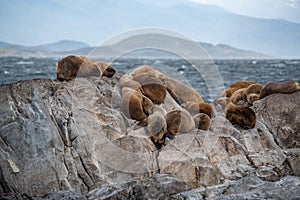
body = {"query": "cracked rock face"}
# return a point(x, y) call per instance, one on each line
point(57, 137)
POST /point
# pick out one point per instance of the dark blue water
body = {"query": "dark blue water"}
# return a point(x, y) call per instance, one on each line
point(13, 69)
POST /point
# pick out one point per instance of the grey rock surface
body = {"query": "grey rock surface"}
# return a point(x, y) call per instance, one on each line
point(160, 186)
point(72, 136)
point(250, 187)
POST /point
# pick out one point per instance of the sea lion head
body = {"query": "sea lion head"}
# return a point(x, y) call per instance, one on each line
point(105, 69)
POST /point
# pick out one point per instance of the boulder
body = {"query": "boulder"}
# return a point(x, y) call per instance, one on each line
point(70, 139)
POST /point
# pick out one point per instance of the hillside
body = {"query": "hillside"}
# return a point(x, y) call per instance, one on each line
point(66, 47)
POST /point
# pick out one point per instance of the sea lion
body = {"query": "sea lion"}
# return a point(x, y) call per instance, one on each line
point(104, 69)
point(181, 92)
point(251, 98)
point(235, 86)
point(179, 120)
point(143, 69)
point(148, 70)
point(195, 108)
point(134, 105)
point(286, 87)
point(237, 96)
point(71, 66)
point(157, 125)
point(152, 87)
point(202, 121)
point(127, 81)
point(222, 101)
point(241, 115)
point(68, 67)
point(252, 92)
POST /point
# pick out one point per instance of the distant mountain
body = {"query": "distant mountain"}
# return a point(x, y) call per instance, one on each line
point(63, 45)
point(96, 21)
point(223, 51)
point(220, 51)
point(4, 44)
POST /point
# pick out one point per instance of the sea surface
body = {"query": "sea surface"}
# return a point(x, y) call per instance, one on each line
point(206, 76)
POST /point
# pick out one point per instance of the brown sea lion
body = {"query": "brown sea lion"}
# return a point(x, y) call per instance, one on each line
point(68, 67)
point(237, 96)
point(148, 70)
point(202, 121)
point(195, 108)
point(104, 69)
point(286, 87)
point(222, 101)
point(72, 66)
point(235, 86)
point(241, 115)
point(134, 105)
point(179, 120)
point(181, 92)
point(152, 87)
point(157, 125)
point(127, 81)
point(251, 98)
point(251, 92)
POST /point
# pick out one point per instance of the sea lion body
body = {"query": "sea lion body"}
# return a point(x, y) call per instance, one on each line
point(235, 86)
point(202, 121)
point(237, 96)
point(72, 66)
point(252, 92)
point(127, 81)
point(195, 108)
point(179, 120)
point(152, 87)
point(286, 87)
point(132, 104)
point(147, 70)
point(241, 115)
point(157, 125)
point(181, 92)
point(68, 67)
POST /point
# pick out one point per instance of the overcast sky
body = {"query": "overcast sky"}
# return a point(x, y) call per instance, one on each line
point(34, 22)
point(283, 9)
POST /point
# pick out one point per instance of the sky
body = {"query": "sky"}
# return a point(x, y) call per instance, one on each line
point(278, 9)
point(34, 22)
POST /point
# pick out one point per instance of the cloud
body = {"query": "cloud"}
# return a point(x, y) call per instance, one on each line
point(283, 9)
point(293, 3)
point(200, 1)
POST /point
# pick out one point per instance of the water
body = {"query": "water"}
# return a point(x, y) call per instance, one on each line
point(13, 69)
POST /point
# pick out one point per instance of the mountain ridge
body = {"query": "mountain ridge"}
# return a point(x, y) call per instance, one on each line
point(56, 49)
point(201, 22)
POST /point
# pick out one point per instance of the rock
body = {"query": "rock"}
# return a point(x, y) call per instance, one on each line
point(247, 188)
point(280, 113)
point(70, 140)
point(185, 156)
point(281, 117)
point(64, 195)
point(160, 186)
point(53, 134)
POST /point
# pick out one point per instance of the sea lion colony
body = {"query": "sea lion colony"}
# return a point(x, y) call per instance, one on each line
point(145, 93)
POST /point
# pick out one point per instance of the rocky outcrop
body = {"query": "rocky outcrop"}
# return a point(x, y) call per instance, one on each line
point(250, 187)
point(71, 139)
